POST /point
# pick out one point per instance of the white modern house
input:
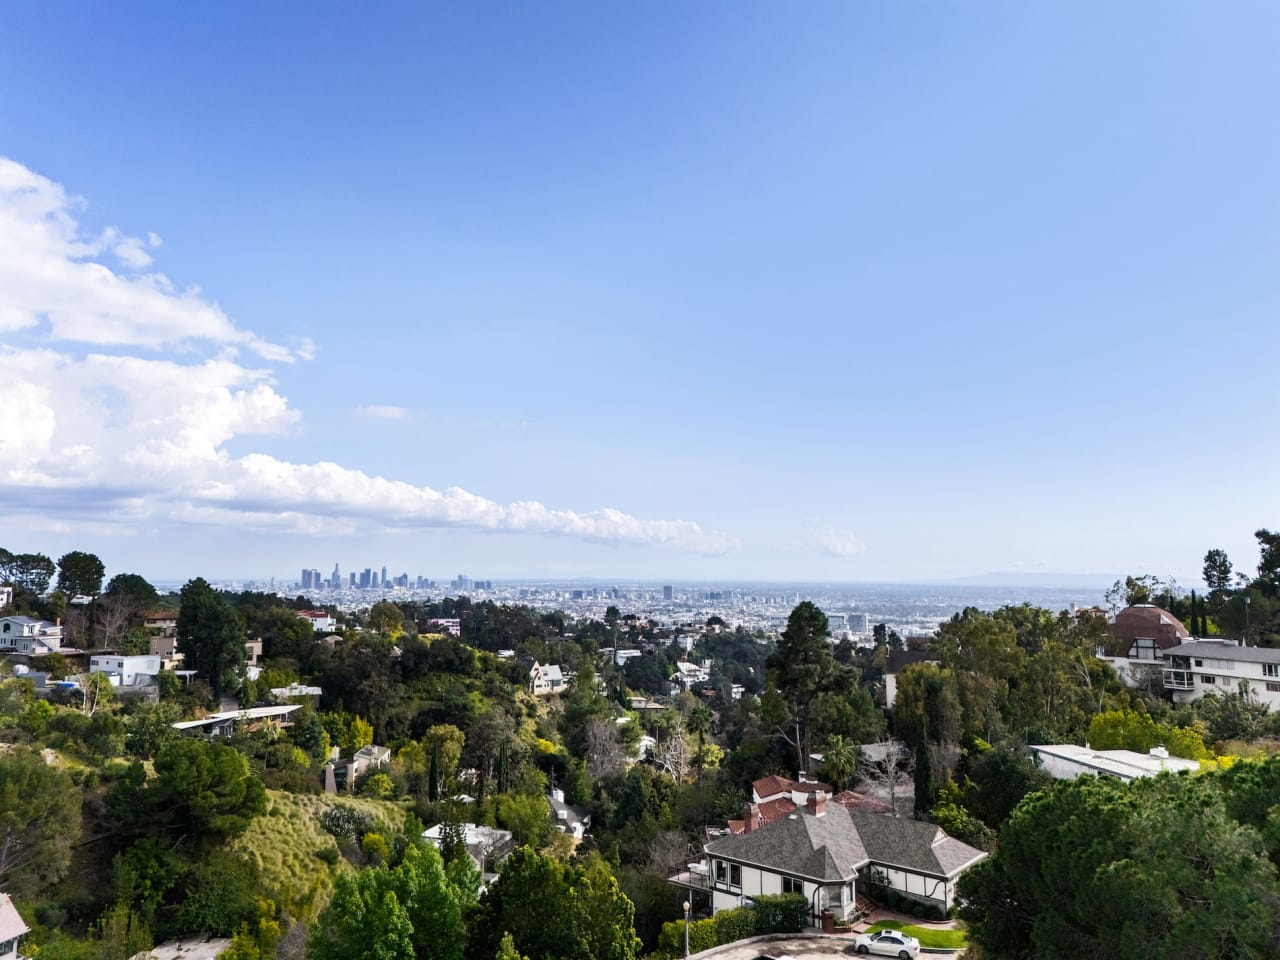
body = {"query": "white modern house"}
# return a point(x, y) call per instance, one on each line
point(825, 851)
point(11, 929)
point(688, 674)
point(320, 621)
point(546, 679)
point(35, 638)
point(1066, 761)
point(127, 671)
point(224, 723)
point(1196, 667)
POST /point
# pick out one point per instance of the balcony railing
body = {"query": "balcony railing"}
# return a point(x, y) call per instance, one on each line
point(697, 877)
point(1179, 680)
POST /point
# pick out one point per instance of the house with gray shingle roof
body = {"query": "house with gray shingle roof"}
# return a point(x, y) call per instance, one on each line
point(822, 850)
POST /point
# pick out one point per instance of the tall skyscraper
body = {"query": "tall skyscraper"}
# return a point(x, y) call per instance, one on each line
point(667, 592)
point(306, 579)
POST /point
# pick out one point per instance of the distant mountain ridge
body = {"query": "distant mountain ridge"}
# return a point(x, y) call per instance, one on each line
point(1023, 578)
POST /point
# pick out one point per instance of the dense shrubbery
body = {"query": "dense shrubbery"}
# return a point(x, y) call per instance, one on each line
point(781, 913)
point(736, 924)
point(702, 936)
point(346, 822)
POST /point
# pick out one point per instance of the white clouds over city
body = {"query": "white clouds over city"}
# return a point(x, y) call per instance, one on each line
point(123, 394)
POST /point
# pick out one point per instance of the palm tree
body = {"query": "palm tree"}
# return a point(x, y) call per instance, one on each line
point(701, 722)
point(840, 757)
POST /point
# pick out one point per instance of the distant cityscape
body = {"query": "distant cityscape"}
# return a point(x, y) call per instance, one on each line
point(852, 609)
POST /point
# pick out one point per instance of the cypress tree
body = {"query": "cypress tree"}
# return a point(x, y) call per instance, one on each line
point(433, 775)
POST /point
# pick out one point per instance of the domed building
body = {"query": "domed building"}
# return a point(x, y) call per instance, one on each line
point(1138, 634)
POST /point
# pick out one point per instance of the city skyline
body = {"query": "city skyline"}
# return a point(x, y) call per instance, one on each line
point(732, 292)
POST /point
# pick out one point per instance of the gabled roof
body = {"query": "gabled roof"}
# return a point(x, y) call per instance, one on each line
point(824, 849)
point(774, 785)
point(923, 847)
point(11, 924)
point(830, 847)
point(548, 671)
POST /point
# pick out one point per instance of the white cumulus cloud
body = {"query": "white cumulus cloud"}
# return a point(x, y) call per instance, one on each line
point(96, 432)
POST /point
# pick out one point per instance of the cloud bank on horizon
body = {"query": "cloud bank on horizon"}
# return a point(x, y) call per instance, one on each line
point(122, 393)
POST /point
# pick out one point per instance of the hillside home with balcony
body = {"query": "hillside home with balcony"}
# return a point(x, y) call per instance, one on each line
point(25, 635)
point(1197, 667)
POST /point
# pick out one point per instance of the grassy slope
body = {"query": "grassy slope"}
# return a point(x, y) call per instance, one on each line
point(284, 842)
point(928, 936)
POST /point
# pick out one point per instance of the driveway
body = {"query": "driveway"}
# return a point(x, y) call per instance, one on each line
point(800, 946)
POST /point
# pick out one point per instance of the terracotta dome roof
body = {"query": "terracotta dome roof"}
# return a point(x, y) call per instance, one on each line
point(1148, 622)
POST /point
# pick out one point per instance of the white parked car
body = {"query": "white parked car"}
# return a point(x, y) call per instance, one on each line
point(891, 943)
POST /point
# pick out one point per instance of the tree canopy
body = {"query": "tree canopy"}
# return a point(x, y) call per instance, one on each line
point(80, 574)
point(210, 636)
point(1153, 869)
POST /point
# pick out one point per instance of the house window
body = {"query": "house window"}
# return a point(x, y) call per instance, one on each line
point(792, 885)
point(1207, 678)
point(1144, 648)
point(720, 871)
point(735, 875)
point(1199, 663)
point(1271, 669)
point(1273, 687)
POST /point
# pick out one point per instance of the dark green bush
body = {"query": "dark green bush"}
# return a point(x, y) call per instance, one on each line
point(736, 924)
point(781, 913)
point(702, 936)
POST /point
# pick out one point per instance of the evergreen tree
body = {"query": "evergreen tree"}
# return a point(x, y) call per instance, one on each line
point(924, 780)
point(210, 637)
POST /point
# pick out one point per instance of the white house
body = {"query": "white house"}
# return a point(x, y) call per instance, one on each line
point(1066, 761)
point(1196, 667)
point(569, 819)
point(487, 846)
point(6, 596)
point(11, 929)
point(687, 674)
point(824, 851)
point(546, 679)
point(127, 671)
point(35, 638)
point(320, 621)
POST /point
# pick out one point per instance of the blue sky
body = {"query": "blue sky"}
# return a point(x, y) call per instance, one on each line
point(726, 290)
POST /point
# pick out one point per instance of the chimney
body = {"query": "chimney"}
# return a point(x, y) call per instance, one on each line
point(750, 814)
point(817, 803)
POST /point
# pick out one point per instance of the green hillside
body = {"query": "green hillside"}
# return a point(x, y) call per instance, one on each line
point(288, 844)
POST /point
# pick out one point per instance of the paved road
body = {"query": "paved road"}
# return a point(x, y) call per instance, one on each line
point(801, 948)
